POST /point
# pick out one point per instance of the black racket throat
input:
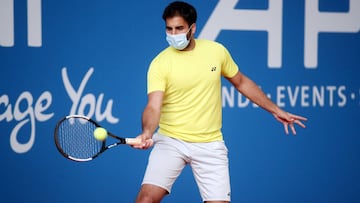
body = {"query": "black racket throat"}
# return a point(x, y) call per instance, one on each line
point(120, 139)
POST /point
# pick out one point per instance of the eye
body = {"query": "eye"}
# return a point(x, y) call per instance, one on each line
point(180, 28)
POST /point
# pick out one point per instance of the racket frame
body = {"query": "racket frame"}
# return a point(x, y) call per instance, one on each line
point(103, 146)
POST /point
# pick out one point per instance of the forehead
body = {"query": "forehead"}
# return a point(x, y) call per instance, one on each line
point(176, 21)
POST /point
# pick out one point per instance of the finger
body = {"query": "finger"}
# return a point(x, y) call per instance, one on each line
point(300, 123)
point(137, 146)
point(296, 117)
point(286, 128)
point(140, 145)
point(148, 143)
point(293, 128)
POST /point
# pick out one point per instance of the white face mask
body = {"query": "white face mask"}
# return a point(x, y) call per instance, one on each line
point(178, 41)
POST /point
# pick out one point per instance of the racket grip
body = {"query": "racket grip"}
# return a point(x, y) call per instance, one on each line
point(133, 141)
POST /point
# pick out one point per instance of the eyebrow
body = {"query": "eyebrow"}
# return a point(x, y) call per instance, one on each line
point(176, 27)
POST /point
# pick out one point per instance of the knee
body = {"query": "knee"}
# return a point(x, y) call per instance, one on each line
point(148, 198)
point(150, 194)
point(144, 198)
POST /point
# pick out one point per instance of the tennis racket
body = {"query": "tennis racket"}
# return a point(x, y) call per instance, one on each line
point(74, 138)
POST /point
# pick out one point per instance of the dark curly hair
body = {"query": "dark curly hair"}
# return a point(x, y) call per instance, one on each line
point(180, 8)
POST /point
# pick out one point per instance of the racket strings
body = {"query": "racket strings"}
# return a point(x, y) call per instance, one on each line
point(75, 137)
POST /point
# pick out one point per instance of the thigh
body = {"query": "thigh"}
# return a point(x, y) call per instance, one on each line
point(210, 165)
point(166, 161)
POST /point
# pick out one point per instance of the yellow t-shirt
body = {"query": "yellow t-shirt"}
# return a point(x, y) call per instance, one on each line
point(191, 82)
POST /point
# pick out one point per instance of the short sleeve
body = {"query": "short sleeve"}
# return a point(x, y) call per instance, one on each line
point(156, 79)
point(229, 67)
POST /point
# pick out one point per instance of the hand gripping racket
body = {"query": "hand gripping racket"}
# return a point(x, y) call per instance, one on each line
point(74, 138)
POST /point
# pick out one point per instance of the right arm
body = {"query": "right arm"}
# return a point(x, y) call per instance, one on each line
point(150, 119)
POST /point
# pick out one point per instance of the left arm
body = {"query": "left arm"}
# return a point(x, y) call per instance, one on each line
point(251, 90)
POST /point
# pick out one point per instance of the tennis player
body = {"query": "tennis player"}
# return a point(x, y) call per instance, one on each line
point(184, 103)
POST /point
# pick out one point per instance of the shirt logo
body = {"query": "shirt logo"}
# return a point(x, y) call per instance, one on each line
point(213, 69)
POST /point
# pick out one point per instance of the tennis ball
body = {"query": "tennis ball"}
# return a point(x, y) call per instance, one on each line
point(100, 134)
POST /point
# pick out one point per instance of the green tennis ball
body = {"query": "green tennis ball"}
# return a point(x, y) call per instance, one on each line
point(100, 134)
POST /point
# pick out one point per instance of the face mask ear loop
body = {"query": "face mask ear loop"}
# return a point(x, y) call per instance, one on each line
point(189, 31)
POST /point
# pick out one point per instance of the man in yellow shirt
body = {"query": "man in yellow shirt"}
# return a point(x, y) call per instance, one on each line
point(184, 102)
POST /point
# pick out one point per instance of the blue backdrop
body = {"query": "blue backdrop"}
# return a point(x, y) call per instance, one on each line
point(91, 57)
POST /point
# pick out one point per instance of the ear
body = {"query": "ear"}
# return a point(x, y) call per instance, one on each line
point(193, 29)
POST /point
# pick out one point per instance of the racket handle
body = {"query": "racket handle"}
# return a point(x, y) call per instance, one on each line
point(133, 141)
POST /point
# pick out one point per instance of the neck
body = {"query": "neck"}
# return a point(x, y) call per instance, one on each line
point(191, 45)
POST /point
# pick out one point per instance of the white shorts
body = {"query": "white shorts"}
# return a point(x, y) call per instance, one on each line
point(209, 163)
